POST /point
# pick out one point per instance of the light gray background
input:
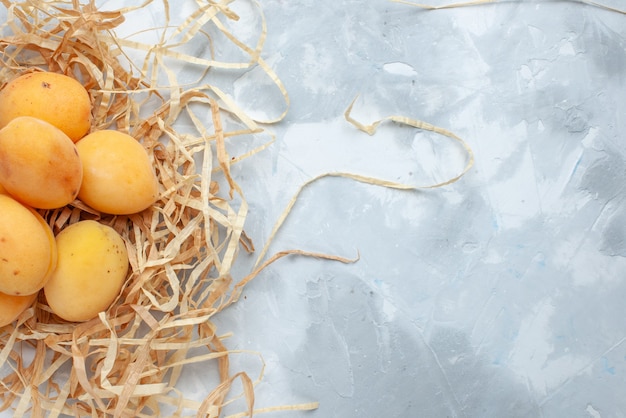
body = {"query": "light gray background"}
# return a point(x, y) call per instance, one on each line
point(499, 296)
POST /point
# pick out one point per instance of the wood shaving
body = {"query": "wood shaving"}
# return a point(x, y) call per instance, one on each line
point(484, 2)
point(370, 129)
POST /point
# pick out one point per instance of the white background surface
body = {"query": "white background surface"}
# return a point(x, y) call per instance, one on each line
point(501, 295)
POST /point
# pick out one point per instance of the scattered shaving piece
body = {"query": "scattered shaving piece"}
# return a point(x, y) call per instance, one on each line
point(481, 2)
point(257, 269)
point(371, 130)
point(445, 6)
point(403, 120)
point(128, 360)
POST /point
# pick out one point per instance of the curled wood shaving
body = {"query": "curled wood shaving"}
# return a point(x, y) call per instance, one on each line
point(371, 130)
point(483, 2)
point(445, 6)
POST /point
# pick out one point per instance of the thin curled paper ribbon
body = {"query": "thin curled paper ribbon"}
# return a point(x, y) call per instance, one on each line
point(483, 2)
point(371, 130)
point(424, 126)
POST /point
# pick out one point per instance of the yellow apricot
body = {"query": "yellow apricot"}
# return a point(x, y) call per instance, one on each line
point(90, 272)
point(56, 98)
point(39, 164)
point(27, 249)
point(118, 177)
point(12, 306)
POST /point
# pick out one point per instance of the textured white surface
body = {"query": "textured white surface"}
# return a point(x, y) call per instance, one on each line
point(500, 295)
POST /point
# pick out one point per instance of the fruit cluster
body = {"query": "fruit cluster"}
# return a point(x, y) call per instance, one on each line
point(49, 158)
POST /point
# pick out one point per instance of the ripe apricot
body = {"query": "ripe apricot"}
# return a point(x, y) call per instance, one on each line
point(118, 177)
point(92, 267)
point(56, 98)
point(28, 252)
point(39, 164)
point(12, 306)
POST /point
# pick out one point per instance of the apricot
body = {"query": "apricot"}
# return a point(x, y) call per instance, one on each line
point(12, 306)
point(28, 252)
point(118, 177)
point(92, 267)
point(56, 98)
point(39, 164)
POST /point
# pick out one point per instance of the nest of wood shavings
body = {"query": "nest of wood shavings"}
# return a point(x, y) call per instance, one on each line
point(128, 361)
